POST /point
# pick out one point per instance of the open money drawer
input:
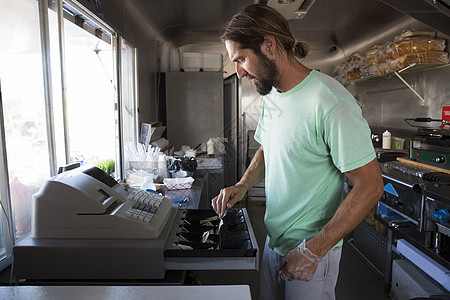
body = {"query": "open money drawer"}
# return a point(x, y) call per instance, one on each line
point(201, 241)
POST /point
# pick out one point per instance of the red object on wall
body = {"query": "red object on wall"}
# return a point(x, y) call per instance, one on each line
point(446, 116)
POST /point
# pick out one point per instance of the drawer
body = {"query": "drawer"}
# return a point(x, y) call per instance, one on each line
point(201, 241)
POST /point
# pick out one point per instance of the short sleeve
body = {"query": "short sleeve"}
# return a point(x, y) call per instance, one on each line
point(347, 135)
point(258, 132)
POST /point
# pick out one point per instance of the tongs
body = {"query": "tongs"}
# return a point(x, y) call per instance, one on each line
point(425, 120)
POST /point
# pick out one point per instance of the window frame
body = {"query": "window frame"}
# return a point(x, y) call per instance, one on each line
point(5, 209)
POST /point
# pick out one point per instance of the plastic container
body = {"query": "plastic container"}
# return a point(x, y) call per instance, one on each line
point(397, 143)
point(148, 184)
point(143, 165)
point(153, 162)
point(386, 140)
point(162, 167)
point(195, 61)
point(212, 62)
point(191, 61)
point(191, 153)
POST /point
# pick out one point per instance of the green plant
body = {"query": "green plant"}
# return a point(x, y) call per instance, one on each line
point(107, 165)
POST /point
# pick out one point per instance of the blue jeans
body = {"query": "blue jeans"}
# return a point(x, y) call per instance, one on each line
point(320, 287)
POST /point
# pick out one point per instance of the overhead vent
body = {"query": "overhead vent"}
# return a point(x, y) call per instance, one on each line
point(289, 9)
point(435, 13)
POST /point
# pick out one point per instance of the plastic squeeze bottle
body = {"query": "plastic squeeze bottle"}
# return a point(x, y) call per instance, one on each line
point(210, 147)
point(386, 140)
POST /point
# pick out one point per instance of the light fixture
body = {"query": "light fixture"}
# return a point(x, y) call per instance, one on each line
point(289, 9)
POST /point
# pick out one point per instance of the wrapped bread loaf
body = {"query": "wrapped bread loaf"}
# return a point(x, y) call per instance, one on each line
point(383, 53)
point(410, 47)
point(388, 66)
point(423, 58)
point(371, 54)
point(399, 49)
point(392, 65)
point(353, 75)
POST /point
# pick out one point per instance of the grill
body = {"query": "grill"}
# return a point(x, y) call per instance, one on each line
point(417, 193)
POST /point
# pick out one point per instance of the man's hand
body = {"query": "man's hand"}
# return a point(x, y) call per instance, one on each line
point(227, 198)
point(298, 263)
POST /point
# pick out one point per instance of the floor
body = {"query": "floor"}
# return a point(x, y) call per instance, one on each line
point(357, 279)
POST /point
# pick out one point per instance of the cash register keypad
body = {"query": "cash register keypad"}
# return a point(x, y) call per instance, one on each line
point(145, 206)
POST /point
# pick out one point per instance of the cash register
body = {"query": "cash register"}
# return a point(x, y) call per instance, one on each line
point(91, 204)
point(87, 226)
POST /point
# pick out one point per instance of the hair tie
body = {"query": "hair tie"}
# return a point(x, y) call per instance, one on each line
point(293, 47)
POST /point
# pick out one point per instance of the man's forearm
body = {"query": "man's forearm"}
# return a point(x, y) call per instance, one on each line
point(367, 190)
point(255, 171)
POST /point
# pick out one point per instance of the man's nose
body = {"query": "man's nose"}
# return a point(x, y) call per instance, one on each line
point(240, 71)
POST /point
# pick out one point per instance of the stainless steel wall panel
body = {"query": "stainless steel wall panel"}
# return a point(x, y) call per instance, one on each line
point(386, 101)
point(194, 105)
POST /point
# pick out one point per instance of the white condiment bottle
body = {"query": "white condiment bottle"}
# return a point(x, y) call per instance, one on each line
point(386, 140)
point(210, 147)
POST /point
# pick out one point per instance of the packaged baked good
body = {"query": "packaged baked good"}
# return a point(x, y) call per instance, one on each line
point(392, 65)
point(369, 69)
point(416, 34)
point(355, 61)
point(388, 66)
point(371, 53)
point(438, 58)
point(415, 46)
point(340, 73)
point(384, 52)
point(353, 75)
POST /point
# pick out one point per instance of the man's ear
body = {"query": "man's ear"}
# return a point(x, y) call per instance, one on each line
point(269, 46)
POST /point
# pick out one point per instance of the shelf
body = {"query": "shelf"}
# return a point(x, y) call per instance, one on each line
point(408, 70)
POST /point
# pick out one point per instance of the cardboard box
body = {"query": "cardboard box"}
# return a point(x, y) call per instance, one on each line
point(151, 132)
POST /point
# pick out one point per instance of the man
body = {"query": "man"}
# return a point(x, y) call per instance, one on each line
point(311, 132)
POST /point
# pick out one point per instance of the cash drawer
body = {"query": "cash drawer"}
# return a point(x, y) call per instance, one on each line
point(201, 241)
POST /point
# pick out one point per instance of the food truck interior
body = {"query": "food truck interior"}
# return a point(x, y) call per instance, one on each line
point(103, 102)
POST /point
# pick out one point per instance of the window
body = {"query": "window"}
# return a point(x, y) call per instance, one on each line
point(90, 93)
point(45, 125)
point(21, 76)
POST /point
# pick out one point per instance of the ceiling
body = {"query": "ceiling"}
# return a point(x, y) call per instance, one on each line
point(200, 21)
point(333, 29)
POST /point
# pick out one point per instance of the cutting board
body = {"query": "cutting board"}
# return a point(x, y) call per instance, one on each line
point(415, 163)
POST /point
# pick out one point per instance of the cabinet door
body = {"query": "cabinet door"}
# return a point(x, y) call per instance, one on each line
point(194, 106)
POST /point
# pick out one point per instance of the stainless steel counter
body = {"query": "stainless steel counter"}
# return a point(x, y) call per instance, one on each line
point(237, 292)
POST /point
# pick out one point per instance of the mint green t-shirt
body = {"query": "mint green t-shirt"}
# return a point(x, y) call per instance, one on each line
point(311, 135)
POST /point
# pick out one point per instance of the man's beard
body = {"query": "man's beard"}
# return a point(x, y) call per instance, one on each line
point(266, 77)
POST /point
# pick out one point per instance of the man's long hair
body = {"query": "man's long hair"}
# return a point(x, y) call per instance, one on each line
point(254, 22)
